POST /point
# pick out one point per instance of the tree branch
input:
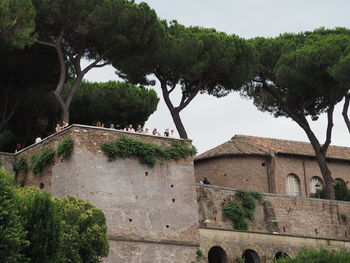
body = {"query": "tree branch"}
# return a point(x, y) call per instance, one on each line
point(345, 111)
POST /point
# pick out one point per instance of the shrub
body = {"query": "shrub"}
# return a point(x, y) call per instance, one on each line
point(83, 231)
point(20, 165)
point(147, 152)
point(12, 234)
point(40, 160)
point(342, 192)
point(318, 256)
point(237, 211)
point(65, 148)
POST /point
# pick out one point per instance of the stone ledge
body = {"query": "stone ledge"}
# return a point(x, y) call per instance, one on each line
point(154, 241)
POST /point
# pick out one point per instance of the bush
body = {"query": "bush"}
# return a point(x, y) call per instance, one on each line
point(12, 233)
point(237, 211)
point(40, 160)
point(65, 148)
point(146, 152)
point(83, 231)
point(342, 192)
point(20, 165)
point(40, 219)
point(318, 256)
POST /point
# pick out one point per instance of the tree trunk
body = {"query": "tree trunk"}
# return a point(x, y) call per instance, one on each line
point(175, 114)
point(345, 111)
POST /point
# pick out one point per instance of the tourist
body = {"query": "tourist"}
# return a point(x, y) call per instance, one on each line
point(204, 181)
point(129, 128)
point(65, 124)
point(38, 139)
point(98, 124)
point(112, 126)
point(166, 133)
point(58, 127)
point(139, 129)
point(172, 134)
point(155, 132)
point(145, 131)
point(18, 147)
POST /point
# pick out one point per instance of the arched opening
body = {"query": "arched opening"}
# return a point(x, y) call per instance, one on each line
point(293, 185)
point(339, 181)
point(250, 256)
point(217, 255)
point(315, 184)
point(281, 254)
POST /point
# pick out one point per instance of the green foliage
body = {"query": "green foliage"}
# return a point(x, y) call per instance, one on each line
point(42, 159)
point(84, 231)
point(65, 148)
point(16, 23)
point(12, 233)
point(115, 102)
point(20, 165)
point(237, 211)
point(199, 253)
point(146, 152)
point(342, 192)
point(318, 256)
point(40, 219)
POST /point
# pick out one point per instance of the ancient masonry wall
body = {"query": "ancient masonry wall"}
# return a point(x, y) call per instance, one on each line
point(151, 212)
point(6, 160)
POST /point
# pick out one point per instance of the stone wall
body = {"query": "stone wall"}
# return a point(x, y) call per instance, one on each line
point(266, 246)
point(280, 214)
point(147, 209)
point(6, 160)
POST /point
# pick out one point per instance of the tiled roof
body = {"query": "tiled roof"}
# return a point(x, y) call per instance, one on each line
point(251, 145)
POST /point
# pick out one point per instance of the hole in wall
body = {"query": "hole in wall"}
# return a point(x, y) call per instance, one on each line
point(346, 233)
point(224, 174)
point(172, 185)
point(146, 173)
point(246, 180)
point(167, 226)
point(41, 186)
point(316, 231)
point(284, 229)
point(173, 200)
point(262, 164)
point(130, 219)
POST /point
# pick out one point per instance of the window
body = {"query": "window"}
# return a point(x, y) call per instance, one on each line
point(339, 181)
point(316, 183)
point(293, 185)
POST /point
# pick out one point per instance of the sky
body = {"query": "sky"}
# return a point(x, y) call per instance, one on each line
point(210, 121)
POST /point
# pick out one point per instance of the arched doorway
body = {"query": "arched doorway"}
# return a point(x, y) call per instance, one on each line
point(250, 256)
point(217, 255)
point(281, 254)
point(315, 184)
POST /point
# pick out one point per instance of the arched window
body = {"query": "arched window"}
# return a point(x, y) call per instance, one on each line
point(316, 183)
point(339, 181)
point(217, 255)
point(293, 185)
point(250, 256)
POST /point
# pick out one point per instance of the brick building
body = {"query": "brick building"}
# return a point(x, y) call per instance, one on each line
point(270, 165)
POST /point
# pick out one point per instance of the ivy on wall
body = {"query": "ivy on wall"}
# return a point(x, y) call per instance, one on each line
point(244, 208)
point(65, 148)
point(147, 152)
point(40, 160)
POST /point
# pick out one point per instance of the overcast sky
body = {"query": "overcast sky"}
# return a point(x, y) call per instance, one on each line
point(210, 121)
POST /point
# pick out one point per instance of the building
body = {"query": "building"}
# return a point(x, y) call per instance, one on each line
point(270, 165)
point(160, 214)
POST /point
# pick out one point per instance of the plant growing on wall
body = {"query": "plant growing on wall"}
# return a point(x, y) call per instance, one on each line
point(40, 160)
point(20, 165)
point(65, 148)
point(147, 152)
point(239, 211)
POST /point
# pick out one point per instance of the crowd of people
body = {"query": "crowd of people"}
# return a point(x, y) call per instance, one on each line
point(139, 129)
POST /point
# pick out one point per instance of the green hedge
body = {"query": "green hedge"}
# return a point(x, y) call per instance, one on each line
point(65, 148)
point(147, 152)
point(40, 160)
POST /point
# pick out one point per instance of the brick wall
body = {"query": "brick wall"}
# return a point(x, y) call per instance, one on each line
point(285, 215)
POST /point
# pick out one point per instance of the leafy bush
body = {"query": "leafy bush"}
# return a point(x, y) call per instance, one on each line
point(237, 211)
point(40, 219)
point(65, 147)
point(147, 152)
point(12, 233)
point(83, 231)
point(318, 256)
point(342, 192)
point(20, 165)
point(40, 160)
